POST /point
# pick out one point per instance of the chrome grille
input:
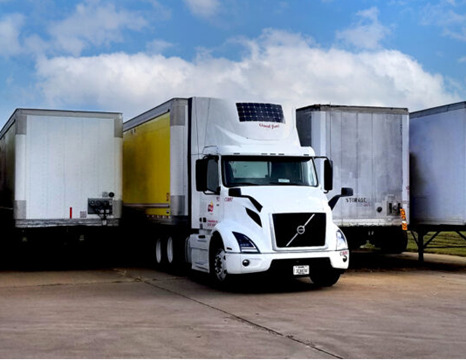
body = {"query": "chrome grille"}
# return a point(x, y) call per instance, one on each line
point(294, 230)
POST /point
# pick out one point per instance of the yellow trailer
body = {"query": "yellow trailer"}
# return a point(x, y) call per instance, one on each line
point(155, 164)
point(147, 166)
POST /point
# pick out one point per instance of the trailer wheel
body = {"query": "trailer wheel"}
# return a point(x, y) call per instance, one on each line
point(325, 276)
point(355, 237)
point(394, 241)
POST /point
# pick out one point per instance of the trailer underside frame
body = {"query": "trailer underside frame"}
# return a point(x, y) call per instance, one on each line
point(424, 239)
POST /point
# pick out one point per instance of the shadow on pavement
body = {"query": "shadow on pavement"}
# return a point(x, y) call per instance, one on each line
point(366, 260)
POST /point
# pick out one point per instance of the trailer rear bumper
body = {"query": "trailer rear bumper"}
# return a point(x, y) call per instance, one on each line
point(47, 223)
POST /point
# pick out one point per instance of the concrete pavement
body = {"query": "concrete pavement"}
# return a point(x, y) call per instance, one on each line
point(384, 307)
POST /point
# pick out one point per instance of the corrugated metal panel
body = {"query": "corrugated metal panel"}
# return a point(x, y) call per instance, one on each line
point(369, 150)
point(58, 160)
point(146, 165)
point(438, 156)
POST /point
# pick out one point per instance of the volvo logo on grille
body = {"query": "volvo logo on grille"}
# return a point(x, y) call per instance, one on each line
point(301, 229)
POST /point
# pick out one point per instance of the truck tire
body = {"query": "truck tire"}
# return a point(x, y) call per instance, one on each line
point(218, 269)
point(159, 252)
point(325, 276)
point(170, 251)
point(175, 251)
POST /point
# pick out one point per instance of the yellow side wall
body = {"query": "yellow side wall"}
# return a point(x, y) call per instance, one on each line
point(146, 165)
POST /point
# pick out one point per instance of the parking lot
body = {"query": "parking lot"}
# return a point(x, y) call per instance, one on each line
point(386, 306)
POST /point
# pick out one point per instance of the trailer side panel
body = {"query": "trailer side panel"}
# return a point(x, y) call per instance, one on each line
point(438, 156)
point(155, 162)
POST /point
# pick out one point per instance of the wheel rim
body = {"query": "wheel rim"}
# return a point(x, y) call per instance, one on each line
point(158, 251)
point(170, 251)
point(220, 266)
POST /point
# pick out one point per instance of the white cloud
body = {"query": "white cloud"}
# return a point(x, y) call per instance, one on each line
point(203, 8)
point(367, 33)
point(10, 29)
point(158, 46)
point(294, 73)
point(459, 34)
point(445, 15)
point(93, 24)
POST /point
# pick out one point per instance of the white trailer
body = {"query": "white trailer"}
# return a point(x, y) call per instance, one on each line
point(229, 189)
point(438, 171)
point(370, 151)
point(60, 169)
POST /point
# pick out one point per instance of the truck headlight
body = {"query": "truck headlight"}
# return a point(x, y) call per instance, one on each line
point(342, 244)
point(246, 245)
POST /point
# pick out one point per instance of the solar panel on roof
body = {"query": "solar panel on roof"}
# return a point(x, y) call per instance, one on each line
point(260, 112)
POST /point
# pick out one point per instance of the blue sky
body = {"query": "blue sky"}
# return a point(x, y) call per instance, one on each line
point(131, 55)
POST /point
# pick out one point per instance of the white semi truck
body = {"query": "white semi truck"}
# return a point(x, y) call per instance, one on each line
point(369, 147)
point(228, 189)
point(60, 171)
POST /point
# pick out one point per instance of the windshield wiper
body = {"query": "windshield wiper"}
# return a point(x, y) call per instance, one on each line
point(242, 183)
point(286, 183)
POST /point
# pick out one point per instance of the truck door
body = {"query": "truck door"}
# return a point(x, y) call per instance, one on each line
point(208, 181)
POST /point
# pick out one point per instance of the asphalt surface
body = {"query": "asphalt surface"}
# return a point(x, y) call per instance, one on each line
point(385, 306)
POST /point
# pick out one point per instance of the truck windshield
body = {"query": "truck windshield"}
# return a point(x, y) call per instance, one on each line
point(251, 170)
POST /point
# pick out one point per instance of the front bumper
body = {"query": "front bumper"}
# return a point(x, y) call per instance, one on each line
point(242, 263)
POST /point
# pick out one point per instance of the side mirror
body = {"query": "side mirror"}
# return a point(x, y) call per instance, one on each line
point(201, 175)
point(345, 192)
point(328, 175)
point(234, 192)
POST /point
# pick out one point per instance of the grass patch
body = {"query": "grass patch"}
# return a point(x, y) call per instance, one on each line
point(447, 243)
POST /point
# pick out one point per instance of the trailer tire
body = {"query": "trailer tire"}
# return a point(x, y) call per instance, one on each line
point(394, 241)
point(325, 276)
point(355, 237)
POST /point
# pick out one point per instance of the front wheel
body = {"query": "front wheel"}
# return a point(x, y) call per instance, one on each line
point(218, 265)
point(325, 277)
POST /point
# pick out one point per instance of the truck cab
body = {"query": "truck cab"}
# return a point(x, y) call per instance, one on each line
point(260, 207)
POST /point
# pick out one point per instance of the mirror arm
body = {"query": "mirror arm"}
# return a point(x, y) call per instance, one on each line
point(345, 192)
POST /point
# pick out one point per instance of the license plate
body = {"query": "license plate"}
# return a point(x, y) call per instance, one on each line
point(301, 270)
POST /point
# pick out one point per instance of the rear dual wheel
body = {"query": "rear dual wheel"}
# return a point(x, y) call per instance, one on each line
point(159, 252)
point(165, 251)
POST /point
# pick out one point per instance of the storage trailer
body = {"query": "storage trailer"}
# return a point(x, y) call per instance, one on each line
point(225, 187)
point(60, 170)
point(369, 147)
point(438, 171)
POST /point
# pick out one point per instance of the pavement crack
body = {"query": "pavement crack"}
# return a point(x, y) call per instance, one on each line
point(244, 320)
